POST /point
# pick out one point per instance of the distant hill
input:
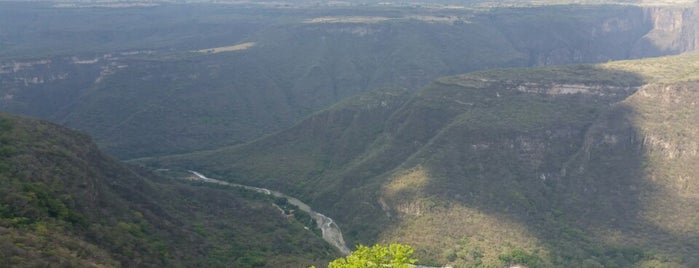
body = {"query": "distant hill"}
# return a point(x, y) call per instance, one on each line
point(579, 166)
point(142, 90)
point(64, 203)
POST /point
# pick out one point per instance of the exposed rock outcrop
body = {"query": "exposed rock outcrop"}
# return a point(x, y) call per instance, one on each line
point(674, 30)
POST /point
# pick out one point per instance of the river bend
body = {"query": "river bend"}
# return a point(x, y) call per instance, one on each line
point(331, 232)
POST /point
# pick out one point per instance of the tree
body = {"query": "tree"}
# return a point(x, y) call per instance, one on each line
point(394, 256)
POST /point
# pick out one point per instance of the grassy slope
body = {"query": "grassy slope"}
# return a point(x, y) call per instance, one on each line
point(508, 176)
point(65, 203)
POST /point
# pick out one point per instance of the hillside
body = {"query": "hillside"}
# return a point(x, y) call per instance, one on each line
point(145, 90)
point(582, 166)
point(64, 203)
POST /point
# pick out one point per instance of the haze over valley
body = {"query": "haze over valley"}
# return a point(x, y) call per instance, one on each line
point(282, 134)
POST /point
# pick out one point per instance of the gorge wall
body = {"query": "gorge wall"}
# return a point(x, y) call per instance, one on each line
point(674, 30)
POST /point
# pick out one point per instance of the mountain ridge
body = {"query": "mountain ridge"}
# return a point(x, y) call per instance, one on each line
point(302, 62)
point(550, 156)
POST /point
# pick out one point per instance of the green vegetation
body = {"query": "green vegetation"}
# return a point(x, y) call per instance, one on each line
point(571, 74)
point(62, 202)
point(568, 166)
point(669, 69)
point(123, 81)
point(393, 255)
point(519, 256)
point(578, 166)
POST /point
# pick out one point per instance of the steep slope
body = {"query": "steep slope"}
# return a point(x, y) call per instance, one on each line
point(562, 166)
point(674, 30)
point(300, 155)
point(62, 202)
point(156, 99)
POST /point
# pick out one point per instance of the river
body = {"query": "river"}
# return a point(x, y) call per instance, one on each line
point(331, 232)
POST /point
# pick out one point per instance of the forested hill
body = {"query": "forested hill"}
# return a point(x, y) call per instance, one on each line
point(64, 203)
point(578, 166)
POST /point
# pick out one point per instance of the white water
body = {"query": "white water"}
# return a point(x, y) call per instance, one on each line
point(331, 232)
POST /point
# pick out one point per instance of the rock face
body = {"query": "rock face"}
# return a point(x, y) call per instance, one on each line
point(630, 33)
point(673, 30)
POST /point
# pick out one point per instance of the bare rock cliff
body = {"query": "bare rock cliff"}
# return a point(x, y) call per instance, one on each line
point(675, 30)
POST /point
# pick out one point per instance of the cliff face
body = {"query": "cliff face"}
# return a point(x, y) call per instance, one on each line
point(674, 30)
point(563, 37)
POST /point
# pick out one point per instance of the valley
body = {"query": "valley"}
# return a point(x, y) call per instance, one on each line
point(66, 203)
point(481, 133)
point(301, 62)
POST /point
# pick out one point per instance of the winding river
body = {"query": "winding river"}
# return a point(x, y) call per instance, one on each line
point(331, 232)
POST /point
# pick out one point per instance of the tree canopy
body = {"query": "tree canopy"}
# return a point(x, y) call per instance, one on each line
point(395, 256)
